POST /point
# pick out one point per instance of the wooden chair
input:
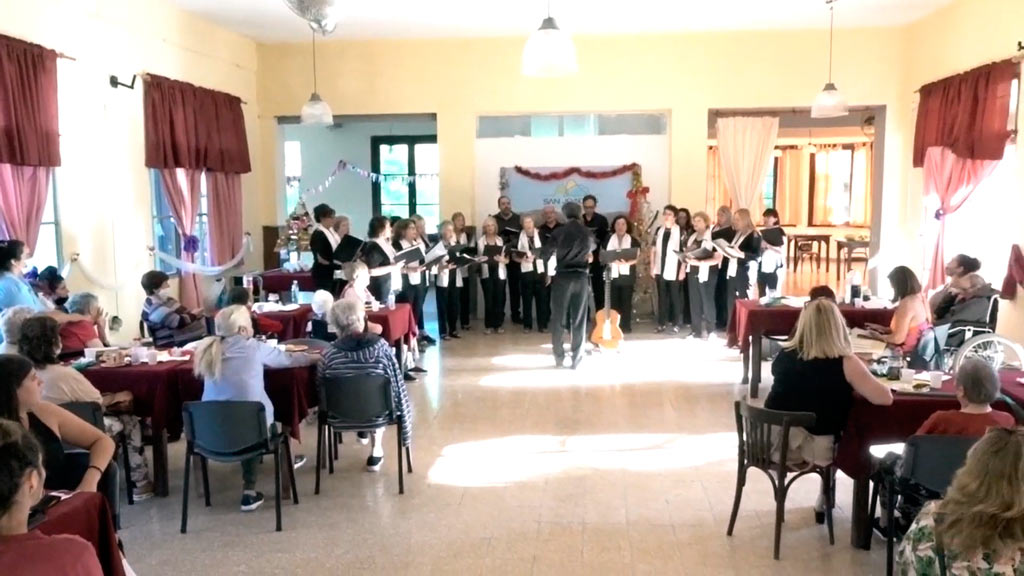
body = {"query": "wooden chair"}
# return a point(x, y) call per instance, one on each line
point(810, 250)
point(755, 427)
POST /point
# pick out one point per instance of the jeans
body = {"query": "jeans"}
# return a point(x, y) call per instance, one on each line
point(702, 300)
point(569, 298)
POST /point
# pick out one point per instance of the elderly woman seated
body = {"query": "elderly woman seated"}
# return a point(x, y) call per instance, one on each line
point(357, 352)
point(967, 300)
point(81, 334)
point(10, 327)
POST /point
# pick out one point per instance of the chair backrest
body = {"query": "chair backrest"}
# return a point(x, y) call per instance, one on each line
point(927, 355)
point(754, 428)
point(91, 412)
point(357, 399)
point(993, 312)
point(225, 426)
point(320, 331)
point(931, 461)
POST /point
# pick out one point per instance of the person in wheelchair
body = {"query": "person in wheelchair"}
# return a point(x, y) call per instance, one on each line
point(968, 303)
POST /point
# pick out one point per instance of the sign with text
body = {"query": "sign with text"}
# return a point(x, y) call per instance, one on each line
point(528, 194)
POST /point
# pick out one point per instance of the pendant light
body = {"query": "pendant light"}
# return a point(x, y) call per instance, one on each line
point(830, 103)
point(549, 52)
point(316, 111)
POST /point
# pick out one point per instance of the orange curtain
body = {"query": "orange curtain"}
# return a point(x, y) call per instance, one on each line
point(825, 161)
point(717, 194)
point(861, 184)
point(791, 188)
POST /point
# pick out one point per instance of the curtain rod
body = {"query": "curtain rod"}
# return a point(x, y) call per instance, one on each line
point(145, 76)
point(64, 56)
point(1017, 58)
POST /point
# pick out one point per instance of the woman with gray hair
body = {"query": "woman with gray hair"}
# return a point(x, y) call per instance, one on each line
point(359, 353)
point(10, 327)
point(92, 333)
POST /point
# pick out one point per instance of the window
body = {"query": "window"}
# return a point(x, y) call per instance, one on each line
point(395, 156)
point(771, 184)
point(47, 251)
point(292, 174)
point(165, 233)
point(557, 125)
point(831, 186)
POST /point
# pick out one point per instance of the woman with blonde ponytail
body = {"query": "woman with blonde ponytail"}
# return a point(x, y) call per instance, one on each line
point(231, 365)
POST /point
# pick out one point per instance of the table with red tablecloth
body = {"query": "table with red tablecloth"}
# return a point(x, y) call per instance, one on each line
point(397, 323)
point(86, 515)
point(281, 281)
point(293, 321)
point(751, 320)
point(869, 425)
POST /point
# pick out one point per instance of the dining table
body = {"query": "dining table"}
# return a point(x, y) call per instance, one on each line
point(86, 515)
point(793, 247)
point(751, 321)
point(869, 425)
point(292, 320)
point(845, 249)
point(280, 280)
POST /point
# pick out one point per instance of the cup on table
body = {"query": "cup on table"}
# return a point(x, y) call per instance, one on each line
point(935, 379)
point(151, 357)
point(907, 375)
point(374, 305)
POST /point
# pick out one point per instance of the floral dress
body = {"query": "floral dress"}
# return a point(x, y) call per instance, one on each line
point(916, 555)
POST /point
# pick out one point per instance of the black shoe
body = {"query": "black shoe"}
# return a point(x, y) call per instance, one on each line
point(409, 377)
point(298, 461)
point(251, 502)
point(559, 361)
point(819, 517)
point(363, 438)
point(454, 335)
point(417, 370)
point(373, 463)
point(876, 523)
point(542, 330)
point(659, 329)
point(576, 361)
point(429, 339)
point(467, 327)
point(445, 337)
point(517, 320)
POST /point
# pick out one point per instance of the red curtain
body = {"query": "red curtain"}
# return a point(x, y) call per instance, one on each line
point(224, 205)
point(194, 128)
point(952, 179)
point(28, 104)
point(181, 190)
point(967, 113)
point(23, 192)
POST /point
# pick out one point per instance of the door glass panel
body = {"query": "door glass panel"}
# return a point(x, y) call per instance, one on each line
point(400, 210)
point(394, 159)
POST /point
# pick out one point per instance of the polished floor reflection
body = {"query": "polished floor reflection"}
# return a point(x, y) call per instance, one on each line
point(626, 466)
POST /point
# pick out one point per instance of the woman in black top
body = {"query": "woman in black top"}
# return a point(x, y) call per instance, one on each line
point(464, 238)
point(702, 275)
point(414, 280)
point(379, 256)
point(622, 272)
point(741, 273)
point(723, 230)
point(322, 242)
point(685, 223)
point(665, 267)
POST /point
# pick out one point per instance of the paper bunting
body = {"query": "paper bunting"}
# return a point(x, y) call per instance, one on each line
point(345, 166)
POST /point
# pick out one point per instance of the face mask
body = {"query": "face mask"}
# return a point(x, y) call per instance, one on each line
point(164, 292)
point(61, 301)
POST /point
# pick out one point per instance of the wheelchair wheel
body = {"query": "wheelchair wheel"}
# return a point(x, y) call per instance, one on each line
point(998, 351)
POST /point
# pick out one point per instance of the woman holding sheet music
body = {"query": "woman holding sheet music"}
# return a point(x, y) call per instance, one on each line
point(622, 273)
point(685, 222)
point(447, 286)
point(742, 265)
point(323, 242)
point(533, 276)
point(492, 276)
point(379, 257)
point(665, 267)
point(702, 265)
point(414, 287)
point(463, 238)
point(773, 254)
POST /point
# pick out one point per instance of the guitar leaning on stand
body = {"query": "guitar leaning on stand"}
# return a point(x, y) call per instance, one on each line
point(607, 335)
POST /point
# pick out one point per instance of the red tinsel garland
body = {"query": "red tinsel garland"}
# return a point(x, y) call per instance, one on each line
point(562, 174)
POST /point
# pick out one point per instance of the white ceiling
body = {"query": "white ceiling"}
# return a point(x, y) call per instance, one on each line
point(272, 21)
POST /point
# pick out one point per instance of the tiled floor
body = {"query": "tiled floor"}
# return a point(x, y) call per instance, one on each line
point(626, 466)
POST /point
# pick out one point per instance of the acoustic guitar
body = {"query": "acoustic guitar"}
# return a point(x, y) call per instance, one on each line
point(607, 333)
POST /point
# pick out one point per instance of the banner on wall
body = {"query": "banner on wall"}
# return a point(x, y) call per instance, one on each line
point(533, 188)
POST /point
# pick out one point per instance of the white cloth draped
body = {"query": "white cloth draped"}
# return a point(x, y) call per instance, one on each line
point(670, 268)
point(697, 241)
point(332, 236)
point(396, 275)
point(415, 278)
point(745, 144)
point(734, 263)
point(485, 268)
point(525, 244)
point(443, 276)
point(615, 244)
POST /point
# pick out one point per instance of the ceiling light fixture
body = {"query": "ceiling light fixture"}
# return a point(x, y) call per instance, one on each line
point(322, 15)
point(549, 52)
point(830, 103)
point(316, 111)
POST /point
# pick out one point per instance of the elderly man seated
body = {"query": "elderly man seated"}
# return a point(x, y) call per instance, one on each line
point(81, 334)
point(10, 327)
point(356, 353)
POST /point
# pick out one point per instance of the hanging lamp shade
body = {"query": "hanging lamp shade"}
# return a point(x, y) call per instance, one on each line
point(316, 111)
point(829, 103)
point(549, 52)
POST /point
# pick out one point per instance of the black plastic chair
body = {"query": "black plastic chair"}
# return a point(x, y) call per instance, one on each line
point(92, 412)
point(755, 427)
point(357, 403)
point(233, 431)
point(928, 463)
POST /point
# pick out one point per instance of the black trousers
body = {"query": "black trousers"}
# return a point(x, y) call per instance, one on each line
point(597, 284)
point(447, 308)
point(767, 281)
point(702, 300)
point(721, 304)
point(670, 312)
point(684, 301)
point(414, 294)
point(739, 286)
point(622, 302)
point(494, 300)
point(515, 298)
point(532, 289)
point(569, 299)
point(464, 300)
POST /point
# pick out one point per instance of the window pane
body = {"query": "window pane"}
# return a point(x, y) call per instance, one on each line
point(427, 159)
point(291, 194)
point(768, 192)
point(44, 253)
point(428, 191)
point(580, 125)
point(293, 159)
point(545, 126)
point(502, 126)
point(394, 159)
point(400, 210)
point(48, 212)
point(431, 215)
point(394, 191)
point(166, 241)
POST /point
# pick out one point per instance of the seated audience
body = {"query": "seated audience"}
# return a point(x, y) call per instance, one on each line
point(15, 289)
point(53, 426)
point(912, 315)
point(40, 342)
point(357, 352)
point(10, 327)
point(319, 328)
point(978, 528)
point(822, 292)
point(261, 325)
point(959, 266)
point(81, 334)
point(52, 289)
point(169, 323)
point(977, 387)
point(231, 365)
point(358, 290)
point(21, 487)
point(967, 300)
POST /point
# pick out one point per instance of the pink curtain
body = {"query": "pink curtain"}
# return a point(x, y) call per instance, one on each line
point(23, 191)
point(181, 190)
point(952, 179)
point(224, 205)
point(745, 144)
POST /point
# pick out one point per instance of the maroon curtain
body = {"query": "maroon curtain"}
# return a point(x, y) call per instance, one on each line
point(224, 205)
point(194, 128)
point(967, 113)
point(23, 192)
point(28, 104)
point(181, 190)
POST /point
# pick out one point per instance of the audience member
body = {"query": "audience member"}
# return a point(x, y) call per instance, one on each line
point(10, 327)
point(978, 528)
point(169, 323)
point(40, 342)
point(977, 387)
point(822, 292)
point(231, 365)
point(52, 288)
point(959, 266)
point(968, 299)
point(81, 334)
point(912, 316)
point(15, 290)
point(358, 290)
point(21, 486)
point(261, 325)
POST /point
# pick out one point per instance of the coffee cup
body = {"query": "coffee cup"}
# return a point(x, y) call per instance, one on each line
point(935, 379)
point(907, 375)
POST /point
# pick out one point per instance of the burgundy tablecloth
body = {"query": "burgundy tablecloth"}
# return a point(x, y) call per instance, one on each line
point(293, 321)
point(86, 515)
point(396, 323)
point(154, 388)
point(749, 315)
point(281, 281)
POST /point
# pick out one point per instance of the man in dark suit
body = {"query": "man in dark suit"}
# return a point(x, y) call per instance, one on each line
point(599, 225)
point(572, 246)
point(509, 227)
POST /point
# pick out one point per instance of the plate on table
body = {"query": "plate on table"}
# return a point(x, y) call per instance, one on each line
point(907, 388)
point(295, 347)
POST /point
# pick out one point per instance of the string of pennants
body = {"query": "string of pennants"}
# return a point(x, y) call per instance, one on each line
point(345, 166)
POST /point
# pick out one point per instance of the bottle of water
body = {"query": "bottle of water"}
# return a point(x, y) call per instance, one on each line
point(391, 301)
point(295, 292)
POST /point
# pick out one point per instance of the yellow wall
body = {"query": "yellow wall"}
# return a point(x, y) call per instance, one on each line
point(103, 187)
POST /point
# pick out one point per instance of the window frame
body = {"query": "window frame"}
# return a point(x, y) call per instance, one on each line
point(202, 224)
point(813, 173)
point(411, 141)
